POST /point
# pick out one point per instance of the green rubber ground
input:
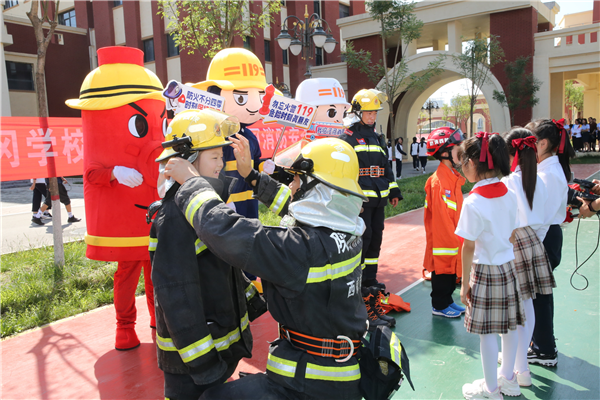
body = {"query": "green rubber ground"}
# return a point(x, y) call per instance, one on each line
point(443, 356)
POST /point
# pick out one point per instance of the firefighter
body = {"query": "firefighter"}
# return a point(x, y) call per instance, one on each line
point(203, 306)
point(310, 267)
point(376, 179)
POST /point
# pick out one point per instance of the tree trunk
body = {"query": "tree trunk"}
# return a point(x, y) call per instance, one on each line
point(40, 86)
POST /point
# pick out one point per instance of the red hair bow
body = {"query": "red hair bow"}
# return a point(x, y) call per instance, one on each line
point(520, 144)
point(560, 124)
point(485, 148)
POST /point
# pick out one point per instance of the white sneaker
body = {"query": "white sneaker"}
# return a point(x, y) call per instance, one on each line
point(478, 391)
point(524, 378)
point(509, 387)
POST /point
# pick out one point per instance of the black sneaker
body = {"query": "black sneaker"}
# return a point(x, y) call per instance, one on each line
point(73, 219)
point(547, 360)
point(37, 221)
point(46, 215)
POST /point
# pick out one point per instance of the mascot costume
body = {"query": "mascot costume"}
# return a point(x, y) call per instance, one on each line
point(124, 117)
point(328, 96)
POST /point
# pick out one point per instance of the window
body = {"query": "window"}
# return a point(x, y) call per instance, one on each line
point(319, 57)
point(172, 48)
point(20, 76)
point(10, 3)
point(67, 18)
point(267, 50)
point(117, 3)
point(480, 124)
point(247, 43)
point(344, 11)
point(317, 5)
point(285, 57)
point(148, 50)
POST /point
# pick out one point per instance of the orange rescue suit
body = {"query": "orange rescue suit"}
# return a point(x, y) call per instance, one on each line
point(443, 202)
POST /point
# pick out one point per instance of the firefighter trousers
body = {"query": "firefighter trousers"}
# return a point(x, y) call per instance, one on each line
point(126, 281)
point(374, 222)
point(182, 387)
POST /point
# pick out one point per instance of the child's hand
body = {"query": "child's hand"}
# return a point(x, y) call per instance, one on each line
point(241, 151)
point(465, 293)
point(179, 169)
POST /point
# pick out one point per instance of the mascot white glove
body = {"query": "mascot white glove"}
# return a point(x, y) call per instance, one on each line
point(127, 176)
point(268, 167)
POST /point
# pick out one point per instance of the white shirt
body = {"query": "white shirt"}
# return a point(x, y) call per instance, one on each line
point(414, 149)
point(39, 180)
point(527, 216)
point(423, 149)
point(489, 223)
point(553, 176)
point(389, 153)
point(576, 131)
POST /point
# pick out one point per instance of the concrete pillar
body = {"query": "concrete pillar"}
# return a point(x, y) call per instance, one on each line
point(455, 37)
point(6, 40)
point(439, 45)
point(557, 88)
point(541, 70)
point(411, 48)
point(591, 97)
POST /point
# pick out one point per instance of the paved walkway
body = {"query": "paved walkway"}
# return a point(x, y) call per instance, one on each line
point(75, 358)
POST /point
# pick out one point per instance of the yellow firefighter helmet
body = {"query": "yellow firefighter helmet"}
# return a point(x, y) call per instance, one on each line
point(206, 129)
point(368, 100)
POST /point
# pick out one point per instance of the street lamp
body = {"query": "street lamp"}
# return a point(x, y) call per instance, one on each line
point(283, 88)
point(298, 38)
point(430, 105)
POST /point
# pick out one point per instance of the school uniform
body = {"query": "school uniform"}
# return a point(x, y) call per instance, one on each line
point(414, 152)
point(531, 261)
point(488, 218)
point(551, 173)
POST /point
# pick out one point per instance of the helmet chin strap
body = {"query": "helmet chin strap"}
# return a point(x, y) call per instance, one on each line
point(305, 186)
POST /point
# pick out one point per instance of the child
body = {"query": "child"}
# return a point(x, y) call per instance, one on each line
point(531, 262)
point(203, 305)
point(422, 150)
point(443, 203)
point(491, 291)
point(554, 151)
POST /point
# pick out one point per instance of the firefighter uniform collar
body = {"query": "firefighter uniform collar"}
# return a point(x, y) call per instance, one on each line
point(451, 174)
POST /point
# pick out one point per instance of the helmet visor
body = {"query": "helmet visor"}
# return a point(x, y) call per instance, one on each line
point(286, 157)
point(456, 137)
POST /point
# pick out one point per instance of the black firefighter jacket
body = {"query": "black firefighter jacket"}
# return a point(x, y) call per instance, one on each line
point(311, 279)
point(203, 305)
point(372, 158)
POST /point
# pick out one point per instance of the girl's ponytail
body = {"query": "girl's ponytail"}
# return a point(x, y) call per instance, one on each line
point(521, 145)
point(489, 153)
point(559, 141)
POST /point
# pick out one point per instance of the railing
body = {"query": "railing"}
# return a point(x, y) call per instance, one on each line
point(568, 38)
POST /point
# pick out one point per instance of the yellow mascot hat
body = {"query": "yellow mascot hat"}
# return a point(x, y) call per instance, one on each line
point(119, 79)
point(234, 68)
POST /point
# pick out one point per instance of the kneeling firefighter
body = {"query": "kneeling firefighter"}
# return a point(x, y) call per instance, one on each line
point(310, 266)
point(203, 305)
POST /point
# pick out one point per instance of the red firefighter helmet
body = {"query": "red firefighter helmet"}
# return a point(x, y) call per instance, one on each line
point(440, 139)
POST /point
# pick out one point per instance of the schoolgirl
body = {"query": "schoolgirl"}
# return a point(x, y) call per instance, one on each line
point(531, 262)
point(554, 151)
point(491, 291)
point(414, 152)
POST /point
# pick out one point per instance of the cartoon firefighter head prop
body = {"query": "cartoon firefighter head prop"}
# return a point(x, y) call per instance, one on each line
point(329, 97)
point(237, 75)
point(124, 118)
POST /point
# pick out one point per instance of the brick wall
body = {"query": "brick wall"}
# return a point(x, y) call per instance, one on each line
point(356, 79)
point(515, 30)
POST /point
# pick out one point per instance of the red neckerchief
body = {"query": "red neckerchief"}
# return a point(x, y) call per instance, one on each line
point(520, 144)
point(491, 191)
point(563, 134)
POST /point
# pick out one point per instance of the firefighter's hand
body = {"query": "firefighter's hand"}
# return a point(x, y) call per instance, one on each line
point(394, 202)
point(127, 176)
point(241, 151)
point(179, 169)
point(465, 292)
point(584, 210)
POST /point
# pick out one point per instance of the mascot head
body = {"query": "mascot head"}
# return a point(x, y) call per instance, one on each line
point(329, 97)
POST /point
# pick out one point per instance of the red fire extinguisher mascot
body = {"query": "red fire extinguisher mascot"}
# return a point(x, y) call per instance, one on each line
point(123, 116)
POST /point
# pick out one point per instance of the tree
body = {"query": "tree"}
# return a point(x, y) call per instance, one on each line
point(446, 111)
point(573, 97)
point(460, 106)
point(210, 26)
point(475, 63)
point(396, 19)
point(521, 89)
point(40, 85)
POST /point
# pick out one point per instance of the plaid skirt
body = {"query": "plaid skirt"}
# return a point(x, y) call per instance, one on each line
point(496, 305)
point(532, 264)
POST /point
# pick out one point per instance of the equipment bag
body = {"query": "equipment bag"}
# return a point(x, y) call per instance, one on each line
point(383, 364)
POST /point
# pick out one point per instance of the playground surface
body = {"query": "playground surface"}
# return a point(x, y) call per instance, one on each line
point(75, 358)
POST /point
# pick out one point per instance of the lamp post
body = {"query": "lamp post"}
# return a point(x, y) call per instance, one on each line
point(430, 105)
point(297, 38)
point(285, 89)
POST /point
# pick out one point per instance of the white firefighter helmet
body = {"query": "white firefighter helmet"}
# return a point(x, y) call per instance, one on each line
point(321, 91)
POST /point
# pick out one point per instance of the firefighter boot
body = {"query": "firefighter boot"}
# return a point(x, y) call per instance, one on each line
point(378, 295)
point(126, 339)
point(374, 320)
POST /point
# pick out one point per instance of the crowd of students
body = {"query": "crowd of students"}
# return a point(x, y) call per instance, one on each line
point(584, 133)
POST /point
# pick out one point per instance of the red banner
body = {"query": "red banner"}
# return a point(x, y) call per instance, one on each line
point(40, 148)
point(31, 149)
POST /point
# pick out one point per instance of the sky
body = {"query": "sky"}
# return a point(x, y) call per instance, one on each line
point(446, 92)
